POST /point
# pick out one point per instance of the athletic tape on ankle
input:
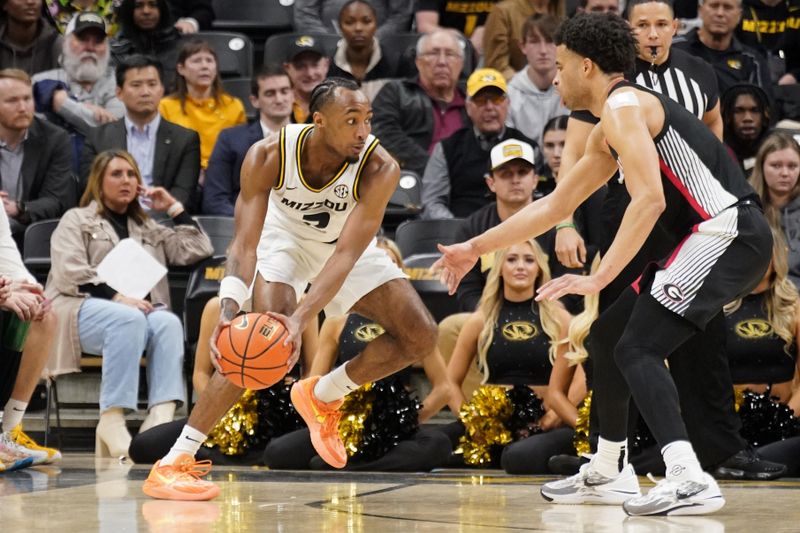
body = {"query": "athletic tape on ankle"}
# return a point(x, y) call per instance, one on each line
point(235, 289)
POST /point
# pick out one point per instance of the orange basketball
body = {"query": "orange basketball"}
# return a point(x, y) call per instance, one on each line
point(252, 352)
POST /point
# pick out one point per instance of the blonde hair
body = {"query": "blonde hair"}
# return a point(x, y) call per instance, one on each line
point(781, 296)
point(391, 247)
point(581, 324)
point(94, 185)
point(774, 142)
point(492, 300)
point(15, 74)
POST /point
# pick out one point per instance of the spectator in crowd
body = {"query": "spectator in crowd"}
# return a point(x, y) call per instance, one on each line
point(23, 310)
point(97, 319)
point(192, 15)
point(307, 65)
point(746, 118)
point(166, 154)
point(553, 139)
point(775, 179)
point(271, 94)
point(467, 17)
point(598, 6)
point(82, 93)
point(413, 115)
point(502, 38)
point(35, 158)
point(199, 102)
point(27, 40)
point(716, 43)
point(145, 27)
point(454, 183)
point(62, 12)
point(359, 54)
point(772, 27)
point(534, 99)
point(394, 16)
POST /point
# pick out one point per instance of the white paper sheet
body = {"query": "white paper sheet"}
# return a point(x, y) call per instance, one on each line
point(130, 270)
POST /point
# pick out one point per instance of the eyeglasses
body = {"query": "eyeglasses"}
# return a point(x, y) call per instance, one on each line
point(433, 55)
point(482, 100)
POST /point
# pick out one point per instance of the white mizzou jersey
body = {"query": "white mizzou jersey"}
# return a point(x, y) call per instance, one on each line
point(310, 213)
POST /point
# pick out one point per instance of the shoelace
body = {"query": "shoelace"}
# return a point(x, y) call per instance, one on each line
point(194, 469)
point(331, 425)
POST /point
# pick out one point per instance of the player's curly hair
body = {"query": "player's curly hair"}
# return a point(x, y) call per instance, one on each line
point(606, 39)
point(326, 90)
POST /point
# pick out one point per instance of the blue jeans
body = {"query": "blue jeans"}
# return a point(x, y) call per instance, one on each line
point(121, 334)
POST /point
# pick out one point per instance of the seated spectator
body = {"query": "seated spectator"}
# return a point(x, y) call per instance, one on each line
point(502, 37)
point(167, 155)
point(534, 99)
point(26, 317)
point(598, 6)
point(454, 183)
point(359, 54)
point(413, 115)
point(35, 158)
point(746, 118)
point(775, 179)
point(467, 17)
point(145, 27)
point(271, 95)
point(316, 16)
point(307, 65)
point(772, 27)
point(716, 43)
point(191, 15)
point(199, 102)
point(553, 139)
point(96, 319)
point(81, 94)
point(27, 40)
point(62, 12)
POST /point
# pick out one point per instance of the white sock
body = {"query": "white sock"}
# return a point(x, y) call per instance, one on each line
point(611, 457)
point(334, 385)
point(189, 442)
point(13, 413)
point(681, 462)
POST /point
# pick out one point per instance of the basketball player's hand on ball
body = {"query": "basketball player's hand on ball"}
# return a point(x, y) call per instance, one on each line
point(456, 261)
point(295, 335)
point(224, 322)
point(568, 284)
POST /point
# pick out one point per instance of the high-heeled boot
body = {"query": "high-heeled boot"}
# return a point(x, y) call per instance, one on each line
point(112, 438)
point(158, 414)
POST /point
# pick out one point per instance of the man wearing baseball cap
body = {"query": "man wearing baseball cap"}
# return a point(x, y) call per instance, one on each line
point(82, 93)
point(306, 62)
point(453, 184)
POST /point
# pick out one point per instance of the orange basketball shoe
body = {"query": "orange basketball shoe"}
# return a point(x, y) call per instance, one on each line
point(180, 481)
point(322, 420)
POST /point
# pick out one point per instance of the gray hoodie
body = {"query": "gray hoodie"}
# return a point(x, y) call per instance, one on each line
point(40, 55)
point(529, 108)
point(790, 220)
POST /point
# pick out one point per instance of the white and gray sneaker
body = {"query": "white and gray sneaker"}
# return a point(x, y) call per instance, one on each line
point(587, 486)
point(9, 445)
point(674, 498)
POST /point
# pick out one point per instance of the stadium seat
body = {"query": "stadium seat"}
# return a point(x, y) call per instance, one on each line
point(406, 202)
point(258, 15)
point(36, 248)
point(235, 53)
point(421, 236)
point(277, 45)
point(219, 230)
point(433, 294)
point(240, 88)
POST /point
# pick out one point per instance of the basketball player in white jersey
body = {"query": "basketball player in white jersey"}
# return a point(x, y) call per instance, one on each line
point(321, 190)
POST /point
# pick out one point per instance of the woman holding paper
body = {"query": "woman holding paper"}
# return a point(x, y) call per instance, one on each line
point(125, 313)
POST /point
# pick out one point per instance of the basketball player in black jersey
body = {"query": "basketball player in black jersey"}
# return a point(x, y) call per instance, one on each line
point(679, 176)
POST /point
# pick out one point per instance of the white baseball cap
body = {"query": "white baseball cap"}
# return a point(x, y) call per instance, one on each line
point(509, 150)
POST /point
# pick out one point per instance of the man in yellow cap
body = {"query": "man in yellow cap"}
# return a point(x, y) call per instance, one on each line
point(454, 184)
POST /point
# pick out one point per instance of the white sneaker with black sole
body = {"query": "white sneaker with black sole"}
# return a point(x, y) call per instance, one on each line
point(587, 486)
point(674, 498)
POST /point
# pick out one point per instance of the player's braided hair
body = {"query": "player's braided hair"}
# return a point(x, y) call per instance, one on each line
point(326, 90)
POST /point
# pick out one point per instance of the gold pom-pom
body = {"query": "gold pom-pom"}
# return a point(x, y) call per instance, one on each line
point(483, 418)
point(231, 434)
point(355, 409)
point(738, 399)
point(581, 438)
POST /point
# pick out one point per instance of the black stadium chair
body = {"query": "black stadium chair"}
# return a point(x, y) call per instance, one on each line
point(219, 230)
point(259, 15)
point(430, 289)
point(240, 88)
point(405, 203)
point(36, 248)
point(276, 48)
point(234, 51)
point(421, 236)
